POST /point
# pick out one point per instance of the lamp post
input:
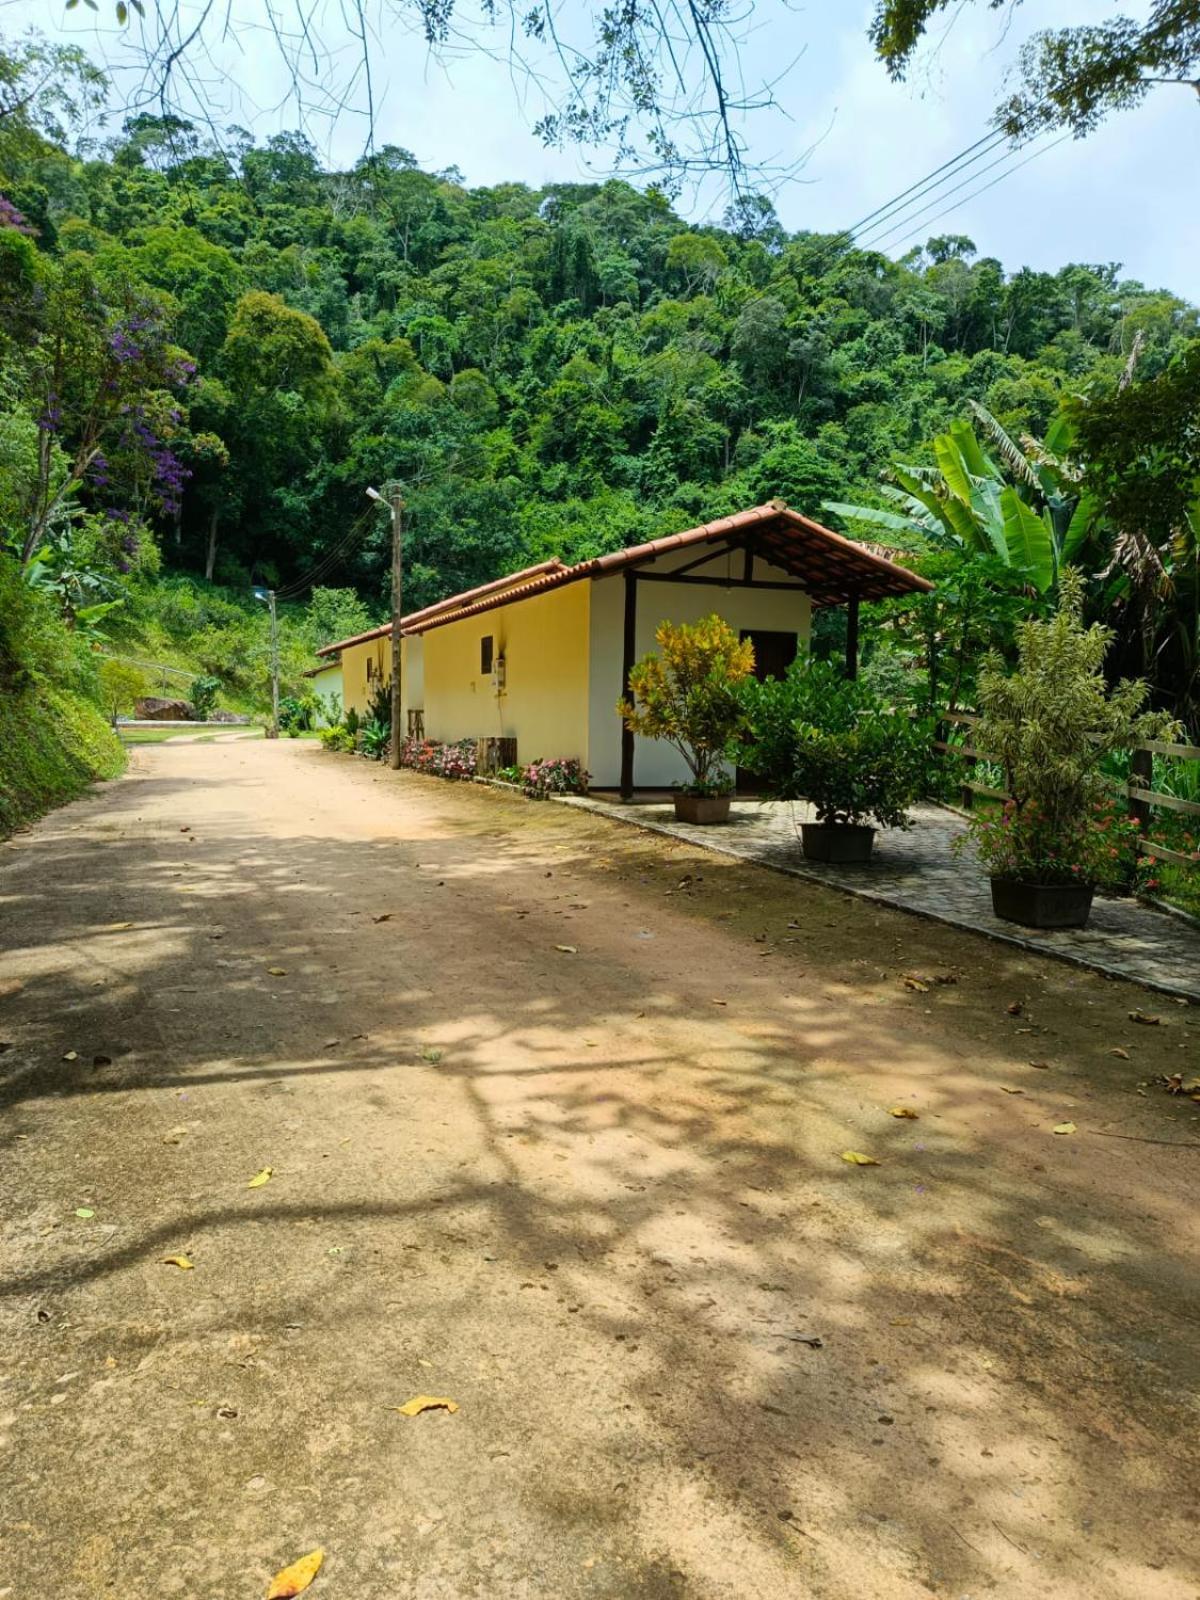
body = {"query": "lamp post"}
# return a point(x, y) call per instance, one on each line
point(269, 596)
point(396, 502)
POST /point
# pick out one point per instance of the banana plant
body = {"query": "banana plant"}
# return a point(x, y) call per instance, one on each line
point(1036, 525)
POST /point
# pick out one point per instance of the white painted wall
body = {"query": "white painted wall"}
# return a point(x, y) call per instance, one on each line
point(656, 764)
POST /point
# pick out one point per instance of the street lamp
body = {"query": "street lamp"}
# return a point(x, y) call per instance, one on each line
point(397, 504)
point(268, 595)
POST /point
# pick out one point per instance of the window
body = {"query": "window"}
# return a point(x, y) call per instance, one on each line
point(485, 654)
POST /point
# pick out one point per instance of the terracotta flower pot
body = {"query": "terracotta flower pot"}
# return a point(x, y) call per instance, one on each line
point(841, 844)
point(1042, 905)
point(703, 809)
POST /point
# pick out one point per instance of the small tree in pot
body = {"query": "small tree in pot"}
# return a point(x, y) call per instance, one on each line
point(819, 737)
point(1050, 725)
point(688, 694)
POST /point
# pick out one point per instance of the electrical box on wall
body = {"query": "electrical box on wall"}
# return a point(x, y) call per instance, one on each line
point(498, 675)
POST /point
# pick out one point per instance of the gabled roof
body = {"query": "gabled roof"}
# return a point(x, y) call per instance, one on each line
point(455, 601)
point(828, 567)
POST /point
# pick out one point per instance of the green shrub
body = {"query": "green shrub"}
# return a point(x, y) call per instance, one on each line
point(54, 739)
point(1051, 725)
point(687, 695)
point(339, 737)
point(818, 736)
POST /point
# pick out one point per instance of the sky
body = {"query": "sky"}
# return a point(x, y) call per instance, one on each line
point(851, 139)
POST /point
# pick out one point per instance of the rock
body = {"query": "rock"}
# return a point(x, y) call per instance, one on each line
point(152, 709)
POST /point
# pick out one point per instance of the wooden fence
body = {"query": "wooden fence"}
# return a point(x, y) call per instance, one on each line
point(1139, 791)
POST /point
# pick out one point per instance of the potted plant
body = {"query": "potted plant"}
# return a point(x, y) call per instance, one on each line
point(1050, 724)
point(688, 694)
point(820, 737)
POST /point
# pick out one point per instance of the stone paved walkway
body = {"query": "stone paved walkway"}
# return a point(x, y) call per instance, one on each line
point(918, 871)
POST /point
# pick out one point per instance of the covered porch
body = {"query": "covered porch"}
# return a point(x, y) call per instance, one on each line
point(770, 548)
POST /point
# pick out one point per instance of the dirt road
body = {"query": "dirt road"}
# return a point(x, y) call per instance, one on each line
point(554, 1114)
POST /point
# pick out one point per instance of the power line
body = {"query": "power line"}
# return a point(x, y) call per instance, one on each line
point(958, 163)
point(327, 562)
point(889, 229)
point(1040, 151)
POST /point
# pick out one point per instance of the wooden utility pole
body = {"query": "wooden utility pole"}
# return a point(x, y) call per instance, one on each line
point(397, 503)
point(274, 734)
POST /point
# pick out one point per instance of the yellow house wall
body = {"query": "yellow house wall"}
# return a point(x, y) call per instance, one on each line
point(544, 703)
point(357, 688)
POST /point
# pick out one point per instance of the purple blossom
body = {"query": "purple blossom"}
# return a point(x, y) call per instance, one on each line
point(10, 217)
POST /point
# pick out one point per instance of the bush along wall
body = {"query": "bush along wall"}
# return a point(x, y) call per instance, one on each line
point(54, 739)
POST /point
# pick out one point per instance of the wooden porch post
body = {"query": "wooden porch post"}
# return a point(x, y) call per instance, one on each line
point(627, 659)
point(852, 637)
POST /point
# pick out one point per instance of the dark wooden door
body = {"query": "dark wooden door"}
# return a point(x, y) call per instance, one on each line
point(774, 653)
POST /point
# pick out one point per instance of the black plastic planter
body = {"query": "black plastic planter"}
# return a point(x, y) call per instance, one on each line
point(841, 844)
point(1042, 905)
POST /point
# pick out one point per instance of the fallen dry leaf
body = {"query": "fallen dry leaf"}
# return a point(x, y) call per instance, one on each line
point(175, 1135)
point(1065, 1127)
point(424, 1402)
point(259, 1178)
point(384, 916)
point(920, 985)
point(115, 927)
point(295, 1579)
point(1145, 1018)
point(1007, 1090)
point(71, 1055)
point(181, 1262)
point(277, 972)
point(904, 1111)
point(1015, 1008)
point(1117, 1051)
point(1042, 1066)
point(567, 949)
point(857, 1159)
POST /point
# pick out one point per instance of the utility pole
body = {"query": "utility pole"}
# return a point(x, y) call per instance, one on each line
point(397, 506)
point(397, 611)
point(274, 666)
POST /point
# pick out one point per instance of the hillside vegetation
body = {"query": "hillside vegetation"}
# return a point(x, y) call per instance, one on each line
point(207, 355)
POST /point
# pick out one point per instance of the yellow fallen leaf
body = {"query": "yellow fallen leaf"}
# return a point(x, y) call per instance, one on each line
point(1117, 1051)
point(1065, 1127)
point(904, 1111)
point(277, 972)
point(424, 1402)
point(567, 949)
point(857, 1159)
point(918, 985)
point(1007, 1090)
point(259, 1178)
point(177, 1261)
point(295, 1579)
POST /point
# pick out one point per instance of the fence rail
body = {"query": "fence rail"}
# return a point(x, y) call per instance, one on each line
point(1143, 798)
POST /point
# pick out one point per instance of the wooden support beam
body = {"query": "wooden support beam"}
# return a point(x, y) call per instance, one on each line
point(852, 637)
point(628, 654)
point(722, 583)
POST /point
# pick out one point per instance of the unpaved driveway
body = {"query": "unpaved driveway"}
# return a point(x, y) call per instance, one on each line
point(587, 1195)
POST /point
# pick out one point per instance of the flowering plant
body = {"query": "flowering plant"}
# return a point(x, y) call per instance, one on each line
point(1030, 845)
point(440, 760)
point(560, 776)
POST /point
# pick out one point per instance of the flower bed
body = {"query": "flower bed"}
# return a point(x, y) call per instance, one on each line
point(440, 760)
point(563, 775)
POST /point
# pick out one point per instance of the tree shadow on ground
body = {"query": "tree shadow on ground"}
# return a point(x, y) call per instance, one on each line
point(583, 1159)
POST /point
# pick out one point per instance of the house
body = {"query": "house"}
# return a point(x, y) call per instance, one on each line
point(542, 656)
point(325, 680)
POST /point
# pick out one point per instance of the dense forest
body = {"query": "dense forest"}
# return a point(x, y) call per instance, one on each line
point(207, 353)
